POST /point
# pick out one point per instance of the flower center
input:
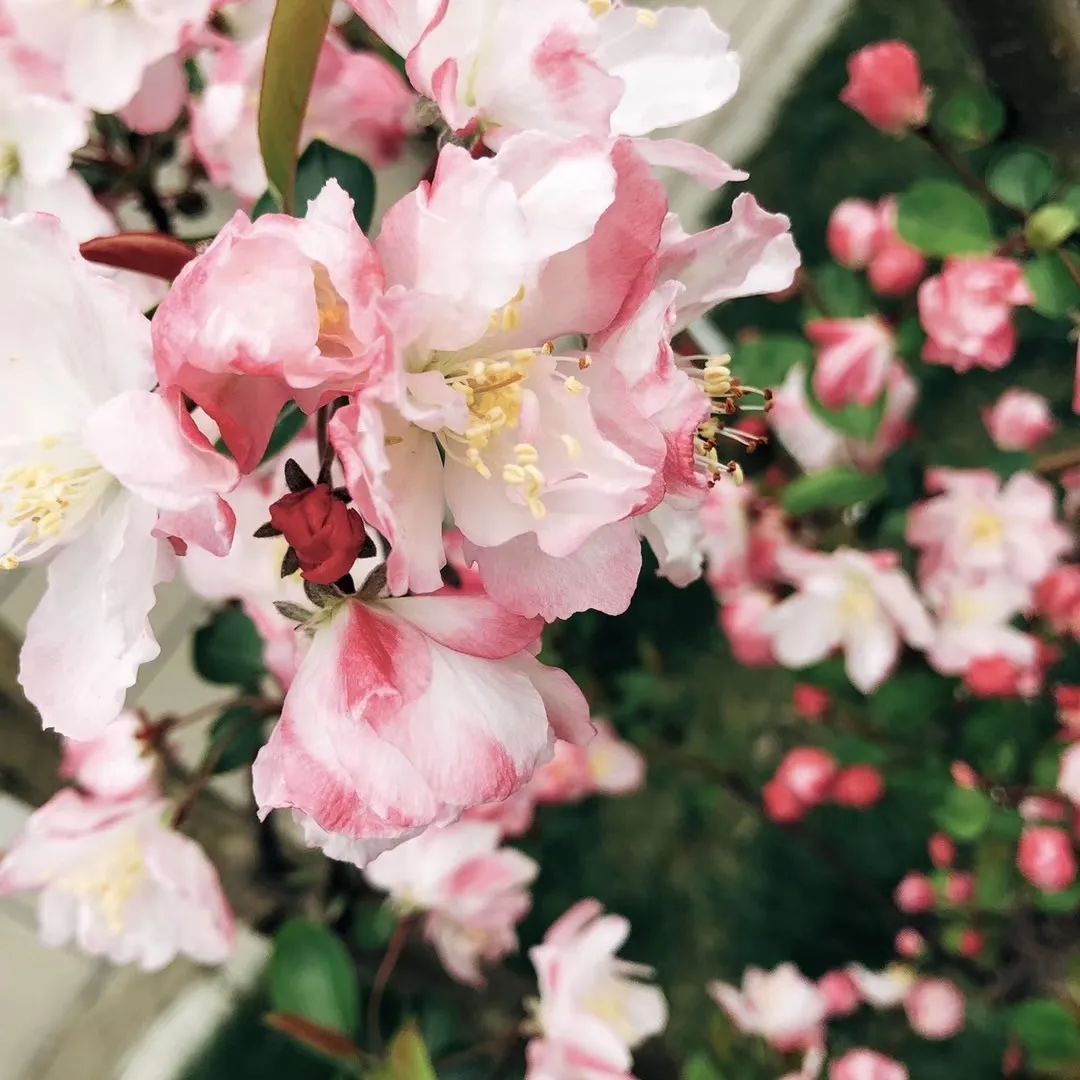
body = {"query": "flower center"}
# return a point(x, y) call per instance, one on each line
point(609, 1002)
point(985, 528)
point(110, 881)
point(856, 603)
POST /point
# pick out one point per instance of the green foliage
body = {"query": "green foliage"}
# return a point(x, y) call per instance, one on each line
point(408, 1057)
point(1056, 292)
point(843, 294)
point(941, 218)
point(229, 650)
point(1022, 177)
point(767, 360)
point(321, 163)
point(859, 422)
point(312, 976)
point(973, 116)
point(964, 814)
point(292, 52)
point(236, 736)
point(1048, 1032)
point(834, 488)
point(1050, 226)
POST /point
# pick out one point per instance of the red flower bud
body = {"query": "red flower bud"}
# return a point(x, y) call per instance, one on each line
point(859, 787)
point(325, 533)
point(942, 851)
point(782, 805)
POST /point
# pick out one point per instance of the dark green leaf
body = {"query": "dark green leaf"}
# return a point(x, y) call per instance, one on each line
point(1059, 903)
point(374, 926)
point(843, 293)
point(834, 489)
point(297, 33)
point(239, 734)
point(701, 1067)
point(1049, 1033)
point(312, 976)
point(228, 649)
point(974, 117)
point(964, 814)
point(321, 162)
point(909, 701)
point(942, 219)
point(266, 204)
point(766, 361)
point(1022, 178)
point(289, 424)
point(1056, 294)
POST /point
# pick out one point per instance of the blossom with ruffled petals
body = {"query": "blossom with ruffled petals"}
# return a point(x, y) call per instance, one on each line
point(594, 1008)
point(407, 711)
point(117, 882)
point(853, 360)
point(782, 1006)
point(471, 892)
point(97, 470)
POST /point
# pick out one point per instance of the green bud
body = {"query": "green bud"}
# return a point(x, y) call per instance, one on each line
point(1049, 227)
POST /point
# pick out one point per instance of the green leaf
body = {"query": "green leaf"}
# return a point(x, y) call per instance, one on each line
point(942, 219)
point(1022, 178)
point(1056, 294)
point(267, 204)
point(228, 649)
point(909, 701)
point(408, 1058)
point(1071, 197)
point(910, 339)
point(974, 116)
point(1050, 226)
point(995, 878)
point(321, 162)
point(859, 422)
point(1049, 1033)
point(374, 926)
point(701, 1067)
point(843, 293)
point(964, 814)
point(297, 33)
point(835, 488)
point(289, 424)
point(766, 361)
point(239, 733)
point(1059, 903)
point(311, 975)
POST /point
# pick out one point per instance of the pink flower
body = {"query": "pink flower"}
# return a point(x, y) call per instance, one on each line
point(743, 619)
point(810, 702)
point(885, 86)
point(859, 602)
point(1019, 420)
point(161, 97)
point(1046, 858)
point(513, 816)
point(96, 470)
point(604, 765)
point(1069, 773)
point(972, 943)
point(859, 787)
point(915, 894)
point(840, 993)
point(782, 805)
point(406, 712)
point(997, 677)
point(359, 103)
point(809, 773)
point(854, 359)
point(960, 888)
point(883, 989)
point(967, 312)
point(275, 310)
point(935, 1009)
point(725, 520)
point(896, 267)
point(593, 1008)
point(1067, 699)
point(472, 892)
point(116, 881)
point(852, 235)
point(866, 1065)
point(909, 943)
point(782, 1006)
point(942, 851)
point(116, 765)
point(977, 526)
point(1058, 599)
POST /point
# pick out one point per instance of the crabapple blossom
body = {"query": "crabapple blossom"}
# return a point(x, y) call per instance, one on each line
point(1067, 699)
point(117, 881)
point(604, 765)
point(862, 603)
point(471, 892)
point(808, 773)
point(97, 470)
point(960, 888)
point(115, 765)
point(915, 894)
point(942, 851)
point(594, 1008)
point(999, 677)
point(1058, 599)
point(1069, 773)
point(810, 702)
point(935, 1008)
point(862, 236)
point(858, 787)
point(967, 313)
point(883, 989)
point(1046, 858)
point(909, 943)
point(972, 943)
point(866, 1065)
point(853, 362)
point(744, 621)
point(1019, 420)
point(840, 993)
point(404, 712)
point(326, 535)
point(782, 1006)
point(782, 805)
point(161, 97)
point(852, 234)
point(104, 50)
point(885, 86)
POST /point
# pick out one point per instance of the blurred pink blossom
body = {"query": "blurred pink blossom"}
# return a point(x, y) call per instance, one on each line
point(886, 87)
point(1019, 420)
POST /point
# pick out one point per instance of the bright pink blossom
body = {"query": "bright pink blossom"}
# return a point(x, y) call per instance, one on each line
point(471, 892)
point(594, 1008)
point(896, 267)
point(909, 943)
point(1046, 858)
point(407, 711)
point(998, 677)
point(1019, 420)
point(782, 1006)
point(858, 786)
point(1069, 773)
point(935, 1009)
point(116, 881)
point(853, 362)
point(1067, 699)
point(885, 86)
point(782, 805)
point(852, 234)
point(942, 851)
point(810, 702)
point(915, 894)
point(866, 1065)
point(1058, 599)
point(809, 773)
point(960, 887)
point(972, 943)
point(840, 993)
point(967, 313)
point(116, 765)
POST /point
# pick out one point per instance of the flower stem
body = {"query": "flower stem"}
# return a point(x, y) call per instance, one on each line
point(382, 978)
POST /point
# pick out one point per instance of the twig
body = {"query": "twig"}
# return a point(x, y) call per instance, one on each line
point(382, 979)
point(1058, 461)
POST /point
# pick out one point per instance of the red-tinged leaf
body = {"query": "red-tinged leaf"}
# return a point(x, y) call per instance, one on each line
point(322, 1040)
point(146, 253)
point(292, 52)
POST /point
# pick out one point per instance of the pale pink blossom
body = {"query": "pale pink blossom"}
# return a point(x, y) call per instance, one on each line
point(1019, 420)
point(97, 470)
point(978, 526)
point(105, 49)
point(861, 603)
point(852, 235)
point(161, 97)
point(116, 881)
point(915, 894)
point(275, 310)
point(405, 712)
point(853, 362)
point(1045, 856)
point(605, 765)
point(744, 622)
point(935, 1009)
point(808, 772)
point(116, 765)
point(782, 1006)
point(594, 1008)
point(866, 1065)
point(513, 815)
point(886, 87)
point(884, 989)
point(840, 993)
point(1058, 599)
point(909, 943)
point(471, 892)
point(960, 887)
point(359, 103)
point(726, 524)
point(967, 313)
